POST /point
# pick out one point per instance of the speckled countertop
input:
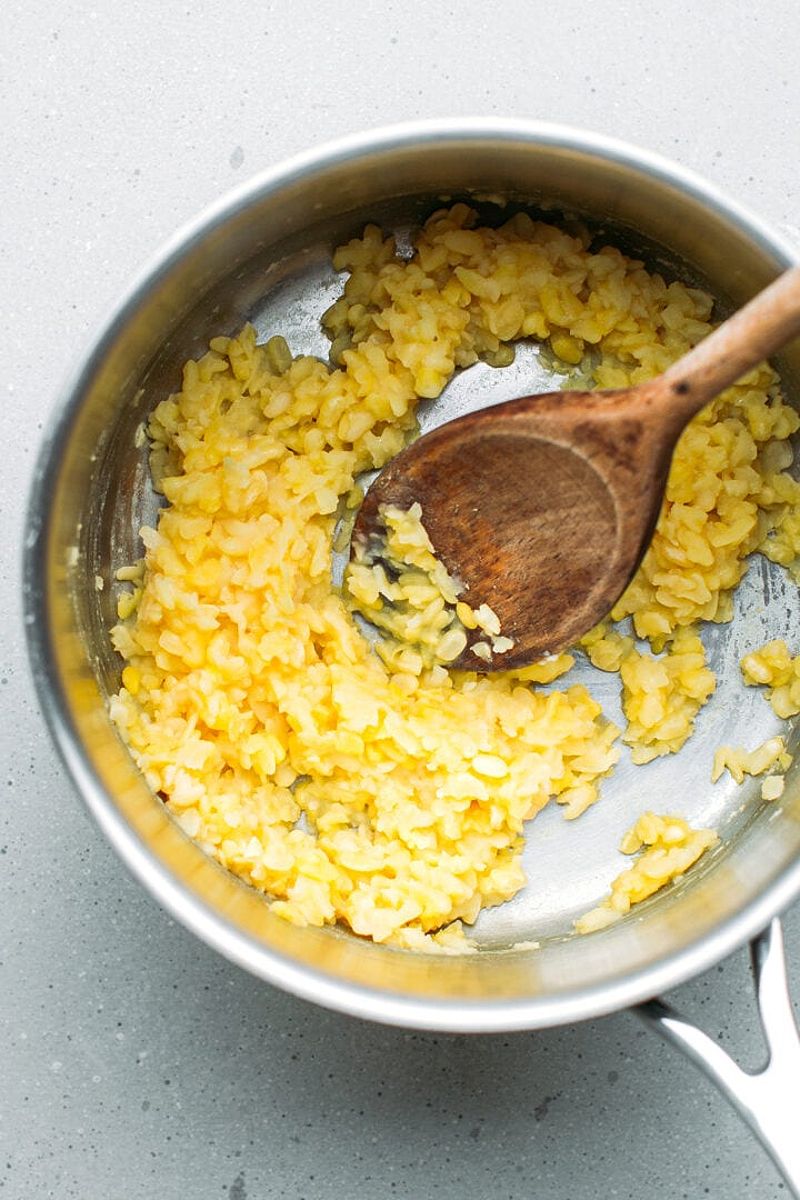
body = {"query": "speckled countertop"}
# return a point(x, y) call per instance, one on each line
point(135, 1063)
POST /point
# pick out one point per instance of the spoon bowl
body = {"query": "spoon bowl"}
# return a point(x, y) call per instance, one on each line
point(543, 507)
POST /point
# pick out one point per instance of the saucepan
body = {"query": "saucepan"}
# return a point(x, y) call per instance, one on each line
point(262, 254)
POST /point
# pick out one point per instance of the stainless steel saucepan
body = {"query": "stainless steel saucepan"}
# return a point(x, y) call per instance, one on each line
point(263, 254)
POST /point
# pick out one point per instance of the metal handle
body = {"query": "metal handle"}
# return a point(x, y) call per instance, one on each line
point(766, 1099)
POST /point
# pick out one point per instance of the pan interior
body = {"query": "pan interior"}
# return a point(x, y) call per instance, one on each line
point(569, 865)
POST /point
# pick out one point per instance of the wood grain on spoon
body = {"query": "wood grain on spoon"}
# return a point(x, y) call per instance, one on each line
point(544, 506)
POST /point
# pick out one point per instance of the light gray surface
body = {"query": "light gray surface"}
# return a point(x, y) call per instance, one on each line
point(134, 1062)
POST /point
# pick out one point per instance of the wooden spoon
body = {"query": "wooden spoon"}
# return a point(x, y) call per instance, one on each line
point(544, 506)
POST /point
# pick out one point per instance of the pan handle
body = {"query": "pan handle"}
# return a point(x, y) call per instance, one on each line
point(766, 1099)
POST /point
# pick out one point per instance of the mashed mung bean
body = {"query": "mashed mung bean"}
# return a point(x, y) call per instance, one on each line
point(771, 753)
point(666, 848)
point(773, 667)
point(373, 786)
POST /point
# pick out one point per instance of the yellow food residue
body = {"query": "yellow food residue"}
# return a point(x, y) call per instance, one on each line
point(371, 788)
point(396, 581)
point(774, 668)
point(667, 847)
point(771, 753)
point(772, 787)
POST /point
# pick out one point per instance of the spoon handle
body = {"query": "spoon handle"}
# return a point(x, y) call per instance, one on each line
point(756, 331)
